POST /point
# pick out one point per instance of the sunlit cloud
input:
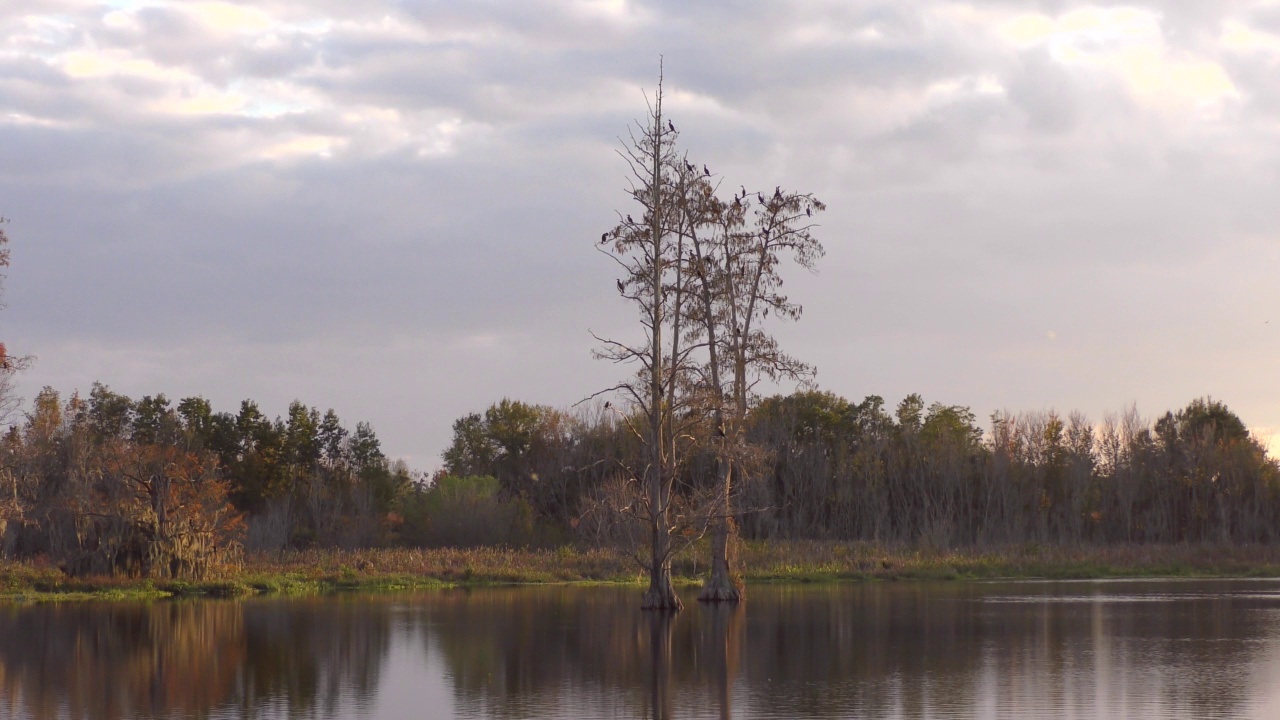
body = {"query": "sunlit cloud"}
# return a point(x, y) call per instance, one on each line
point(121, 20)
point(94, 64)
point(1238, 37)
point(17, 118)
point(308, 145)
point(1130, 43)
point(205, 104)
point(226, 17)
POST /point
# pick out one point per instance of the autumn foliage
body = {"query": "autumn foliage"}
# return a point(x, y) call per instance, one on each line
point(110, 485)
point(104, 502)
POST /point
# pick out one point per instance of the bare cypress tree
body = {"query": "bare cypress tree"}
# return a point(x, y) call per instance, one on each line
point(704, 274)
point(653, 280)
point(10, 364)
point(735, 252)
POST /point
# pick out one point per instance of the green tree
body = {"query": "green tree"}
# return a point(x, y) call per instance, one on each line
point(472, 451)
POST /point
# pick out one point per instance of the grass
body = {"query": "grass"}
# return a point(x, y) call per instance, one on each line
point(327, 571)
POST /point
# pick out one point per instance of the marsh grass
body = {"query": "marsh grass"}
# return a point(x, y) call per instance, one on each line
point(325, 571)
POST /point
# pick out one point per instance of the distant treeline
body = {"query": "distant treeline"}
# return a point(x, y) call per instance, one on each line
point(109, 484)
point(823, 467)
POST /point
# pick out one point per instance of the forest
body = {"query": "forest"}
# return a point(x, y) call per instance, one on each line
point(147, 487)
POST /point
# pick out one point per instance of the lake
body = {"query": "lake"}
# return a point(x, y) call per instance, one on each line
point(1113, 649)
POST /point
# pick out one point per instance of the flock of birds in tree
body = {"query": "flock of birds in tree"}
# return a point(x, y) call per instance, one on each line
point(737, 201)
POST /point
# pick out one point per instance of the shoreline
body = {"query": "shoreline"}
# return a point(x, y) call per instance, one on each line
point(323, 572)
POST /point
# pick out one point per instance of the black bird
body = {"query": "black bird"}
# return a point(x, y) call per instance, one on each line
point(671, 127)
point(629, 219)
point(760, 198)
point(808, 211)
point(688, 167)
point(736, 204)
point(705, 171)
point(620, 286)
point(604, 238)
point(777, 191)
point(607, 404)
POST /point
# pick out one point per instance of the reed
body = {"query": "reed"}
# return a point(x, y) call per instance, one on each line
point(806, 561)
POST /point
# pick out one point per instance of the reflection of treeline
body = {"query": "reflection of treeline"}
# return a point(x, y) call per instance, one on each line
point(99, 661)
point(193, 659)
point(878, 649)
point(543, 652)
point(870, 649)
point(823, 467)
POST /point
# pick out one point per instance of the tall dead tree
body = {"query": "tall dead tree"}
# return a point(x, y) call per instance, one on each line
point(11, 509)
point(649, 250)
point(9, 364)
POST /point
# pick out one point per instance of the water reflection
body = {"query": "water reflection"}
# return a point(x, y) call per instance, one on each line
point(910, 650)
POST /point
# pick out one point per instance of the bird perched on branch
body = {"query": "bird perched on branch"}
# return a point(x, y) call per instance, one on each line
point(621, 287)
point(629, 219)
point(671, 126)
point(604, 238)
point(777, 192)
point(760, 198)
point(705, 171)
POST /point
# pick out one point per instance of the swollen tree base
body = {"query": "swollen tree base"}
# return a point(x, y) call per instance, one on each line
point(661, 595)
point(720, 588)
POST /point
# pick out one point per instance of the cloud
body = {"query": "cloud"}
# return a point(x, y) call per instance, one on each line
point(230, 190)
point(1131, 43)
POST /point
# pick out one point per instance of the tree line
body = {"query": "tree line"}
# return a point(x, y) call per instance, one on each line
point(106, 484)
point(823, 467)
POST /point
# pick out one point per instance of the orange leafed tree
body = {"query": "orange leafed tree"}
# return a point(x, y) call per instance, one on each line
point(155, 510)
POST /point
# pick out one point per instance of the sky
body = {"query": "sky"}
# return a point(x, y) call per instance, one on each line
point(388, 208)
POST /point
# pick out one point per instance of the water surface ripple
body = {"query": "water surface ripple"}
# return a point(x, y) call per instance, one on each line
point(1117, 649)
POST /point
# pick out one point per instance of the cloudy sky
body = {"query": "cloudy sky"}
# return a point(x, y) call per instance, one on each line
point(387, 207)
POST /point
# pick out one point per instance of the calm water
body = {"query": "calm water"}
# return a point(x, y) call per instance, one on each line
point(891, 650)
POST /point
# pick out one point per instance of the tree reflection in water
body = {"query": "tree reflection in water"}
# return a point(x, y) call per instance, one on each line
point(95, 661)
point(906, 650)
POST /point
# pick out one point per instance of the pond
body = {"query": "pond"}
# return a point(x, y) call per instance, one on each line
point(1118, 649)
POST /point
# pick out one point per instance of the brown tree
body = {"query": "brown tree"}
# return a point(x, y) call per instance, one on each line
point(11, 507)
point(735, 250)
point(10, 364)
point(649, 250)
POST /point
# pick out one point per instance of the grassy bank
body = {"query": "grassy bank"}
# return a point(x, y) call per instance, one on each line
point(312, 572)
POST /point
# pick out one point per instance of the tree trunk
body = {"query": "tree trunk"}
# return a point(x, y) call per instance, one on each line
point(720, 587)
point(661, 593)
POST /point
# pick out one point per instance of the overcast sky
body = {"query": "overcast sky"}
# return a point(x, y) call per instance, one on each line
point(388, 207)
